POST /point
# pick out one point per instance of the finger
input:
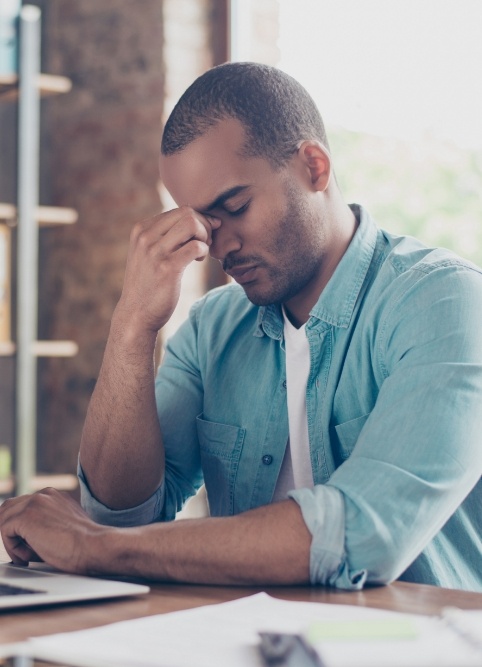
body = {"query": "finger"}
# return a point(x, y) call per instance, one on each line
point(13, 515)
point(209, 222)
point(158, 244)
point(18, 550)
point(193, 225)
point(15, 545)
point(214, 223)
point(159, 224)
point(11, 507)
point(188, 229)
point(187, 233)
point(194, 250)
point(151, 230)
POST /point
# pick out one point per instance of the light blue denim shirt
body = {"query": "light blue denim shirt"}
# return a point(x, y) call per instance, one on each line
point(394, 405)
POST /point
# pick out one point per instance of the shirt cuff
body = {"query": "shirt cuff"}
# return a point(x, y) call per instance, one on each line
point(147, 512)
point(323, 511)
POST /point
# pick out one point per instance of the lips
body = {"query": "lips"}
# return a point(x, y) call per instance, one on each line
point(242, 274)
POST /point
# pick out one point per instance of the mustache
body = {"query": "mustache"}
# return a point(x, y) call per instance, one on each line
point(231, 262)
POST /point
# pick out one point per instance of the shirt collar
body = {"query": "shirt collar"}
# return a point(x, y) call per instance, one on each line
point(337, 301)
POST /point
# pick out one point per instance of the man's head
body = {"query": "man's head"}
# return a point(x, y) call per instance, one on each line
point(246, 145)
point(276, 112)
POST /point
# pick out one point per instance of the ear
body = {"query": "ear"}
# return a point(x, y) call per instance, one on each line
point(317, 162)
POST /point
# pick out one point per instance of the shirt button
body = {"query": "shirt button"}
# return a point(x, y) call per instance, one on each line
point(284, 384)
point(267, 459)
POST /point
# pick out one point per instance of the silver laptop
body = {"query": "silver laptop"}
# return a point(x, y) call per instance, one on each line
point(38, 584)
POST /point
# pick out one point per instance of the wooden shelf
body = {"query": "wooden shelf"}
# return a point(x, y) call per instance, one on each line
point(60, 482)
point(43, 348)
point(48, 84)
point(55, 348)
point(47, 216)
point(7, 348)
point(6, 486)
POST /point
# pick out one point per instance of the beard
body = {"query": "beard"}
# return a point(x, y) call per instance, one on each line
point(297, 245)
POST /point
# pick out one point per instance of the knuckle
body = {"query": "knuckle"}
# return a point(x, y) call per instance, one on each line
point(137, 229)
point(48, 491)
point(8, 502)
point(189, 216)
point(142, 240)
point(186, 210)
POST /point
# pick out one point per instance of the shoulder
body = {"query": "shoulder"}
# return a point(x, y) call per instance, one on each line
point(432, 301)
point(420, 298)
point(406, 253)
point(410, 269)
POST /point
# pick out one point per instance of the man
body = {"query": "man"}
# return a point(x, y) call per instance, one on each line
point(330, 400)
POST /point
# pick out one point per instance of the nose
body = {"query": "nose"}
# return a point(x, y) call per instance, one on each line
point(225, 240)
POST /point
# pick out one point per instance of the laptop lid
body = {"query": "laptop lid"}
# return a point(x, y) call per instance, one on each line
point(38, 584)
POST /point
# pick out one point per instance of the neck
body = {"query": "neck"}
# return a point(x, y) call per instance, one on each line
point(340, 232)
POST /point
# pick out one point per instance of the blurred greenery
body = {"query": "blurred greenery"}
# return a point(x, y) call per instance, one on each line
point(426, 188)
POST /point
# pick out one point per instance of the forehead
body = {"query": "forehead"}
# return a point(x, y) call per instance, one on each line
point(210, 165)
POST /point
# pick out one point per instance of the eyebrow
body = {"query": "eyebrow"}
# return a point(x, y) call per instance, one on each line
point(224, 196)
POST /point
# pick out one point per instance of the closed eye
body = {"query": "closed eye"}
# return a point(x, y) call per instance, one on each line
point(240, 210)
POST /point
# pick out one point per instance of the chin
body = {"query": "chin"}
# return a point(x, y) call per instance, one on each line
point(259, 299)
point(256, 297)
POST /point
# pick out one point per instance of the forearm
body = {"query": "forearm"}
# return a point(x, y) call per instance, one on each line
point(121, 449)
point(268, 545)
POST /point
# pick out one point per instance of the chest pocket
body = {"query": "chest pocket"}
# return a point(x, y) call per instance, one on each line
point(348, 433)
point(221, 446)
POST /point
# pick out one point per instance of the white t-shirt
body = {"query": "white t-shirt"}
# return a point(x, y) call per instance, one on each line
point(296, 472)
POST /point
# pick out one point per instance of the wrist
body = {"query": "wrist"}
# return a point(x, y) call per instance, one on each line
point(101, 550)
point(116, 551)
point(129, 332)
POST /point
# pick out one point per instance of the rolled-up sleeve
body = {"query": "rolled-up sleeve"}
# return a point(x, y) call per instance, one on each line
point(323, 512)
point(147, 512)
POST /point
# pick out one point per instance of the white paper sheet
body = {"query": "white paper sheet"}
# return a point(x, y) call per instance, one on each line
point(226, 635)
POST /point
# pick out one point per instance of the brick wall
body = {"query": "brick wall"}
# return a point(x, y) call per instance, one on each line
point(102, 143)
point(125, 58)
point(129, 61)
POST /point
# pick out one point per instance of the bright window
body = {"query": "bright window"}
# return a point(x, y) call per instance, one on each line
point(398, 84)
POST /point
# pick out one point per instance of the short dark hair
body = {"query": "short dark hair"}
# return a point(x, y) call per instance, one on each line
point(275, 110)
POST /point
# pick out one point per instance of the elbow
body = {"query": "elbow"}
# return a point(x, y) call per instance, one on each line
point(378, 561)
point(356, 575)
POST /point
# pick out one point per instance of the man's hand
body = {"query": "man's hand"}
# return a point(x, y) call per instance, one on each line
point(49, 526)
point(160, 250)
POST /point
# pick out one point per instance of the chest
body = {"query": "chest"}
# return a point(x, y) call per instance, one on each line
point(245, 396)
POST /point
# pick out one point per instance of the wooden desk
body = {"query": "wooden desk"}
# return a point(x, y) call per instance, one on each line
point(18, 625)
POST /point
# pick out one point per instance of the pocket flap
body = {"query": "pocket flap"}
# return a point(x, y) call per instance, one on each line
point(348, 433)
